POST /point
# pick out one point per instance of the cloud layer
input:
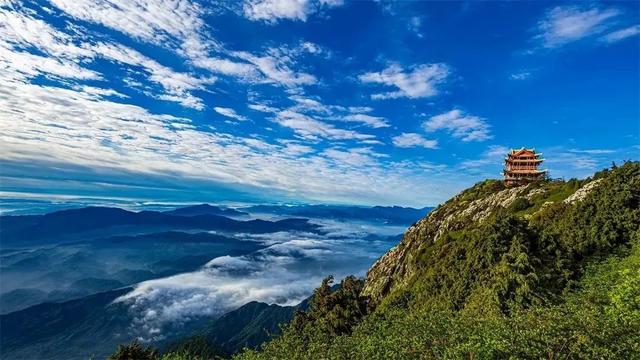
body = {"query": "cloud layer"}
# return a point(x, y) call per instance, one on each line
point(176, 95)
point(460, 125)
point(416, 82)
point(562, 25)
point(284, 273)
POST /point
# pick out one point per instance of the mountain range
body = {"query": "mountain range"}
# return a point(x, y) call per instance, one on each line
point(63, 271)
point(92, 222)
point(92, 326)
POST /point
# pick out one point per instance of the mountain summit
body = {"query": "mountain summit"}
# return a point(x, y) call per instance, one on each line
point(550, 269)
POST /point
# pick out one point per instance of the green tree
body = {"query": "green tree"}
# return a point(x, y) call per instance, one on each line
point(134, 351)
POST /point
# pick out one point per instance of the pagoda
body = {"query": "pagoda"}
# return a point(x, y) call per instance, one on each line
point(521, 167)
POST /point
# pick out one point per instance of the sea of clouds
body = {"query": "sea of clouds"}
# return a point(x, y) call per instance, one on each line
point(285, 272)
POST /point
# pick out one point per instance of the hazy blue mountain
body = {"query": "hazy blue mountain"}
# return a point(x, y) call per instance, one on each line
point(76, 329)
point(170, 237)
point(93, 221)
point(62, 271)
point(74, 270)
point(248, 326)
point(18, 298)
point(395, 215)
point(94, 325)
point(205, 209)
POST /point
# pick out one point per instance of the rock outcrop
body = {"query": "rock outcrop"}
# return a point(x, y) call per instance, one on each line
point(397, 266)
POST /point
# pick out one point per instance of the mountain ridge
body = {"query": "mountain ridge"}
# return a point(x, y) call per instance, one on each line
point(397, 215)
point(76, 222)
point(205, 209)
point(550, 269)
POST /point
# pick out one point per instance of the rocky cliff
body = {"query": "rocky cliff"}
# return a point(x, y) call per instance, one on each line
point(399, 265)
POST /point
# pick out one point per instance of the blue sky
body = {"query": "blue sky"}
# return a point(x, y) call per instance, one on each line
point(401, 103)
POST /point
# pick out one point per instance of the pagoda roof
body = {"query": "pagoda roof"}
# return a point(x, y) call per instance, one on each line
point(517, 152)
point(508, 159)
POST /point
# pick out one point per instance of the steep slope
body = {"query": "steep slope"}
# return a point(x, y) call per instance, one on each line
point(547, 270)
point(549, 229)
point(248, 326)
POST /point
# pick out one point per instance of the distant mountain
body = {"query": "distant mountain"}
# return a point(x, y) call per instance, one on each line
point(391, 215)
point(205, 209)
point(248, 326)
point(170, 237)
point(16, 299)
point(93, 326)
point(63, 273)
point(76, 329)
point(94, 222)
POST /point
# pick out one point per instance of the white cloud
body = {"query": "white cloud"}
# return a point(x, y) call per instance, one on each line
point(156, 21)
point(175, 25)
point(406, 140)
point(67, 55)
point(314, 129)
point(228, 112)
point(360, 109)
point(294, 149)
point(353, 157)
point(522, 75)
point(416, 82)
point(24, 64)
point(277, 68)
point(592, 151)
point(262, 108)
point(565, 24)
point(227, 67)
point(371, 121)
point(22, 31)
point(178, 85)
point(19, 32)
point(459, 125)
point(271, 11)
point(489, 165)
point(307, 117)
point(179, 26)
point(308, 104)
point(65, 124)
point(621, 34)
point(99, 91)
point(60, 128)
point(415, 25)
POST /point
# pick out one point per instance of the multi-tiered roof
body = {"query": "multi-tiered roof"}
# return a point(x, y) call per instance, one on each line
point(521, 167)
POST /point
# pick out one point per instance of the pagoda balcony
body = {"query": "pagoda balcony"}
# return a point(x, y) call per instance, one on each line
point(524, 171)
point(536, 160)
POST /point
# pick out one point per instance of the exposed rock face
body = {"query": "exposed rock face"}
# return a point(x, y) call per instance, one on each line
point(397, 266)
point(535, 192)
point(582, 192)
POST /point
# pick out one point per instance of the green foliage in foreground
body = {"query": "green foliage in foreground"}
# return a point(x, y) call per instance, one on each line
point(134, 350)
point(601, 320)
point(562, 282)
point(196, 348)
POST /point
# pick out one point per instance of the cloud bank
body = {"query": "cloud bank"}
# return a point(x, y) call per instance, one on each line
point(284, 273)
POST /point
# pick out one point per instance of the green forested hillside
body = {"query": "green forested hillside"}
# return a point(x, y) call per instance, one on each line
point(550, 270)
